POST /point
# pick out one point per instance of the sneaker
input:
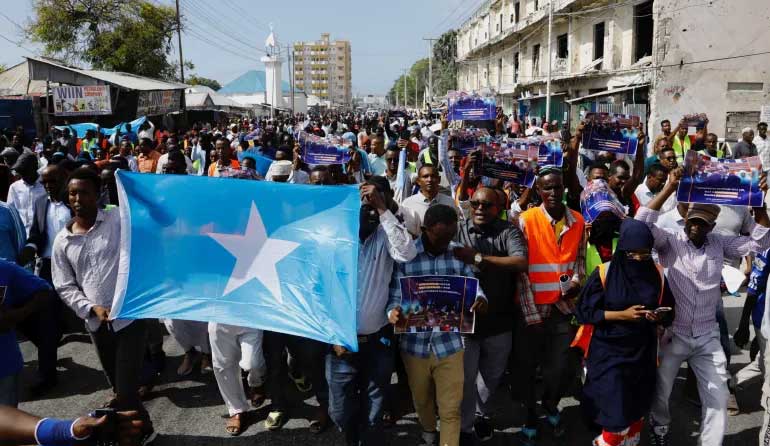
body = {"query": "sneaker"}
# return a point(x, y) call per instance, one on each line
point(301, 382)
point(658, 435)
point(483, 429)
point(428, 439)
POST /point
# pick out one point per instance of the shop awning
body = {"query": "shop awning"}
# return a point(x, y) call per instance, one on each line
point(608, 92)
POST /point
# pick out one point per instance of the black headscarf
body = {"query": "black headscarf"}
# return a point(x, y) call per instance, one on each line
point(631, 282)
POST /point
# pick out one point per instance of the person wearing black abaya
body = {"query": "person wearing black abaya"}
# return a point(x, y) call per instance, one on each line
point(622, 353)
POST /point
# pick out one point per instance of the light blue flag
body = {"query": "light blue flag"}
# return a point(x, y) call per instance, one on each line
point(275, 256)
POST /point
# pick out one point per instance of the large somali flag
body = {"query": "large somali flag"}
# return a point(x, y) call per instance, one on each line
point(275, 256)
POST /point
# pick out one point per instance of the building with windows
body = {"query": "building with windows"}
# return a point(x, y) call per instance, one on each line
point(322, 68)
point(651, 58)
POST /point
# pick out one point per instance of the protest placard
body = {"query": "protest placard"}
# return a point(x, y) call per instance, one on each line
point(317, 150)
point(82, 100)
point(512, 161)
point(596, 198)
point(466, 140)
point(462, 106)
point(720, 181)
point(549, 152)
point(437, 303)
point(610, 132)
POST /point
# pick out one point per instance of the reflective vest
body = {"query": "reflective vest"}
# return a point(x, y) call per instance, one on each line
point(681, 147)
point(548, 260)
point(586, 331)
point(593, 259)
point(720, 153)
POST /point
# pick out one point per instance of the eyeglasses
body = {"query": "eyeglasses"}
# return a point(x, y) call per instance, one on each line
point(475, 204)
point(639, 257)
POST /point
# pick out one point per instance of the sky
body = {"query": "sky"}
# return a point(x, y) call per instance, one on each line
point(224, 37)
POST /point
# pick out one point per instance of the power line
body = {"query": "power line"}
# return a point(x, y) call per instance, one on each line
point(460, 4)
point(220, 27)
point(17, 44)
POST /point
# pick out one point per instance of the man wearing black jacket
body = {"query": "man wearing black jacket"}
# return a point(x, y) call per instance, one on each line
point(44, 329)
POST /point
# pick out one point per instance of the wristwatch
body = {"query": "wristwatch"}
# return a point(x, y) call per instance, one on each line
point(477, 259)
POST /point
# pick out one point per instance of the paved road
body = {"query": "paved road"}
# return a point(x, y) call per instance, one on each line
point(189, 411)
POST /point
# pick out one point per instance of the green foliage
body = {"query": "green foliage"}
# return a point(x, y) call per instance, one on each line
point(197, 80)
point(132, 36)
point(444, 74)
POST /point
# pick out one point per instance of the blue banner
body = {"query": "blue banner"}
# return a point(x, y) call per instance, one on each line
point(510, 161)
point(316, 150)
point(467, 140)
point(611, 133)
point(720, 181)
point(437, 303)
point(471, 107)
point(274, 256)
point(81, 129)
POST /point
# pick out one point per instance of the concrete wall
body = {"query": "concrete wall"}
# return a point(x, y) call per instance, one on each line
point(688, 31)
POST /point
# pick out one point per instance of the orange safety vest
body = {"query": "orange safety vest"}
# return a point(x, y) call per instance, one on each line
point(586, 331)
point(548, 260)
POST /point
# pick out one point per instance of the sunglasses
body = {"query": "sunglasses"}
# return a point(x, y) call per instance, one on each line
point(475, 204)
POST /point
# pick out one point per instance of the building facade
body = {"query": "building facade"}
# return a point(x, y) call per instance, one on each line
point(323, 68)
point(619, 56)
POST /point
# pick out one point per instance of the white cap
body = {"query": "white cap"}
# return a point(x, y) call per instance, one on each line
point(279, 168)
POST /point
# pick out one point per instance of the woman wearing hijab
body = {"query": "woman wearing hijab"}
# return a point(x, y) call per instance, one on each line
point(619, 300)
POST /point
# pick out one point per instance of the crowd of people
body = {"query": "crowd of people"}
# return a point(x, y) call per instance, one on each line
point(621, 300)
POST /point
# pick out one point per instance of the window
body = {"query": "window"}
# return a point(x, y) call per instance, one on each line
point(745, 86)
point(501, 22)
point(562, 47)
point(516, 12)
point(599, 43)
point(643, 25)
point(536, 5)
point(536, 61)
point(511, 18)
point(516, 68)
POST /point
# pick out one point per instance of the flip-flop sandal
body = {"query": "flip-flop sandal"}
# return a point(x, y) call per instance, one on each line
point(275, 420)
point(318, 426)
point(732, 406)
point(302, 383)
point(234, 425)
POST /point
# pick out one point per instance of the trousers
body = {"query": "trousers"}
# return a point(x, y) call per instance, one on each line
point(121, 354)
point(705, 355)
point(435, 381)
point(308, 356)
point(234, 348)
point(484, 362)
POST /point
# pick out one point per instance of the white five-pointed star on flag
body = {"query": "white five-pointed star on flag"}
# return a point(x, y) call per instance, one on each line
point(256, 255)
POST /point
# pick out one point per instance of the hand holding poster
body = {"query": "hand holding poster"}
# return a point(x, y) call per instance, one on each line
point(317, 150)
point(611, 133)
point(549, 152)
point(512, 161)
point(597, 198)
point(464, 106)
point(720, 181)
point(437, 303)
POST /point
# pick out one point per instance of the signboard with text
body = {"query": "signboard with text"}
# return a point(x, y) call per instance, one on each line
point(82, 100)
point(159, 102)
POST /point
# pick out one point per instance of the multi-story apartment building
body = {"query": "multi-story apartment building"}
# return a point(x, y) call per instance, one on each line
point(323, 68)
point(634, 56)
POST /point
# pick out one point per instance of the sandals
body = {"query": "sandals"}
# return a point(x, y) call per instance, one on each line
point(257, 396)
point(234, 425)
point(302, 383)
point(189, 362)
point(275, 420)
point(319, 424)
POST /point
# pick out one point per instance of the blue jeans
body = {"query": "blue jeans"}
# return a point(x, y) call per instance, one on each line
point(357, 385)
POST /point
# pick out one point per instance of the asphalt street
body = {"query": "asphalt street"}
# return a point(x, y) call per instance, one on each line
point(189, 411)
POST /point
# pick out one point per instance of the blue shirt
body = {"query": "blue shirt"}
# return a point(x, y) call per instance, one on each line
point(760, 269)
point(17, 286)
point(442, 343)
point(12, 233)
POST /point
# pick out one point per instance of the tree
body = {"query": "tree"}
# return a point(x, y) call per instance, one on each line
point(416, 79)
point(133, 36)
point(444, 65)
point(206, 82)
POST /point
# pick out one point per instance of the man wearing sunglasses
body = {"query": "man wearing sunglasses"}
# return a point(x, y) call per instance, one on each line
point(496, 252)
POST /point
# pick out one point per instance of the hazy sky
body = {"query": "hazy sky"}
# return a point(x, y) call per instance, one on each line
point(224, 36)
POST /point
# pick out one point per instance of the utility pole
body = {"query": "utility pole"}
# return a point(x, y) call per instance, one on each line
point(430, 68)
point(405, 96)
point(290, 62)
point(179, 38)
point(550, 59)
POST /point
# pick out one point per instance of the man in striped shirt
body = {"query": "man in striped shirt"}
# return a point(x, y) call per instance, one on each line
point(693, 258)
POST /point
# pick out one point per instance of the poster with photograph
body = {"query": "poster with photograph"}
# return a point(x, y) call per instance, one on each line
point(720, 181)
point(82, 100)
point(512, 161)
point(596, 198)
point(464, 106)
point(317, 150)
point(550, 152)
point(437, 303)
point(610, 132)
point(467, 140)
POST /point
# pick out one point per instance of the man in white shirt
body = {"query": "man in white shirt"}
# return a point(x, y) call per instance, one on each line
point(652, 185)
point(763, 145)
point(171, 145)
point(125, 152)
point(24, 192)
point(147, 131)
point(428, 179)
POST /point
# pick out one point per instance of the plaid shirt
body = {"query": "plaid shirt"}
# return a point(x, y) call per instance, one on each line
point(533, 313)
point(442, 344)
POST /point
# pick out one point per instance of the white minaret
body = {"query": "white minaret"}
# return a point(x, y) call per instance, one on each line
point(272, 61)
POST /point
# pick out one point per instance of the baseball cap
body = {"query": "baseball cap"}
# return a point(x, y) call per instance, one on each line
point(705, 212)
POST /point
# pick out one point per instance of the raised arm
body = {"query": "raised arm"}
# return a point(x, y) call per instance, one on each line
point(638, 175)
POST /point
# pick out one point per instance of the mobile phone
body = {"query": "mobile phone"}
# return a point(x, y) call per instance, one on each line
point(661, 310)
point(98, 413)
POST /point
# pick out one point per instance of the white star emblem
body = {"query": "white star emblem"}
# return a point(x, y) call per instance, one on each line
point(256, 255)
